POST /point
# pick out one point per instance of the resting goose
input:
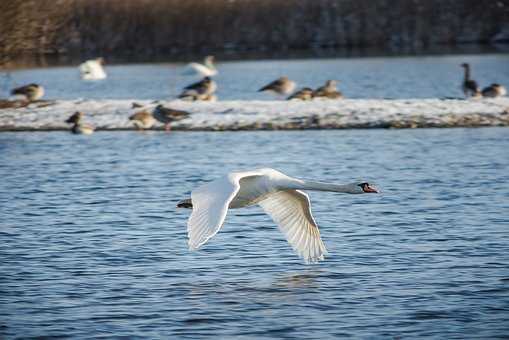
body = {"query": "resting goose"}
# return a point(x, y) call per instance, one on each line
point(279, 195)
point(328, 90)
point(305, 93)
point(494, 90)
point(79, 127)
point(142, 120)
point(31, 92)
point(202, 90)
point(280, 86)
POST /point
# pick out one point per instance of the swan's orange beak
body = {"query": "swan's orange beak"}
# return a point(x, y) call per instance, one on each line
point(368, 188)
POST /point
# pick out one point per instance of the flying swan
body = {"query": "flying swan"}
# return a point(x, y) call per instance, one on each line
point(279, 195)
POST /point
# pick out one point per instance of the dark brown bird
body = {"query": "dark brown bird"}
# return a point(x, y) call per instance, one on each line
point(469, 86)
point(166, 115)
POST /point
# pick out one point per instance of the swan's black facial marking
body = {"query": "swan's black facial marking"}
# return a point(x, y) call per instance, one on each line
point(367, 188)
point(185, 204)
point(364, 185)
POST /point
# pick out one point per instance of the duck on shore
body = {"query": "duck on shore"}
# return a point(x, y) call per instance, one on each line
point(31, 92)
point(207, 69)
point(78, 127)
point(167, 115)
point(304, 94)
point(142, 120)
point(202, 90)
point(329, 91)
point(469, 86)
point(280, 86)
point(92, 69)
point(494, 90)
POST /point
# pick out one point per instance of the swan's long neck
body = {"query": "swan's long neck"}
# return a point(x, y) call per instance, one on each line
point(321, 186)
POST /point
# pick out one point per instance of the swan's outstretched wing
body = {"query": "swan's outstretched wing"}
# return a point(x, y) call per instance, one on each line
point(291, 210)
point(210, 205)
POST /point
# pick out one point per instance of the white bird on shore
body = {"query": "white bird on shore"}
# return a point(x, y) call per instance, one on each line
point(279, 195)
point(92, 69)
point(207, 69)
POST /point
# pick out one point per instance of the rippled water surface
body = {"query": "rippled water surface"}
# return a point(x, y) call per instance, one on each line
point(91, 243)
point(373, 77)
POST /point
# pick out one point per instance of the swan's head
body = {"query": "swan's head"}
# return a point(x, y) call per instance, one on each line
point(185, 204)
point(365, 188)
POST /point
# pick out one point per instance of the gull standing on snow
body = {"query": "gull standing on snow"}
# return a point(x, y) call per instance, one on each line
point(279, 195)
point(31, 91)
point(280, 86)
point(93, 69)
point(207, 69)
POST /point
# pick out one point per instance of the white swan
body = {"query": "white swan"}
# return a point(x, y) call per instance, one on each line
point(279, 195)
point(207, 69)
point(93, 69)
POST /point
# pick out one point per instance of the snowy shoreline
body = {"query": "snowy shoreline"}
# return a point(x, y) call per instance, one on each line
point(267, 115)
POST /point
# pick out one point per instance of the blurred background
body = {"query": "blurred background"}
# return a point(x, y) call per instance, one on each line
point(176, 29)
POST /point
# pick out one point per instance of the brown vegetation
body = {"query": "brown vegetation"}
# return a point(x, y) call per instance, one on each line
point(108, 27)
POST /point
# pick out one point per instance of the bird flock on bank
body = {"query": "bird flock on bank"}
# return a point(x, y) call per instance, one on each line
point(205, 90)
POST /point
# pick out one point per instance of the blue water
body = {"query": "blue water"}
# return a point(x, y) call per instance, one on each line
point(373, 77)
point(91, 244)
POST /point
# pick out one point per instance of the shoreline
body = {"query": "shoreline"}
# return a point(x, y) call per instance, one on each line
point(112, 115)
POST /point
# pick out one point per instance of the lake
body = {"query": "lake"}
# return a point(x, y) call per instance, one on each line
point(432, 76)
point(92, 245)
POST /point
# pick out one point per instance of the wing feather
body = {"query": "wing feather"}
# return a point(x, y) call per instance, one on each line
point(291, 210)
point(210, 205)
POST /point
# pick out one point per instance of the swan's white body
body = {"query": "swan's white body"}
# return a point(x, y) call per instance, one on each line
point(92, 70)
point(207, 69)
point(279, 195)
